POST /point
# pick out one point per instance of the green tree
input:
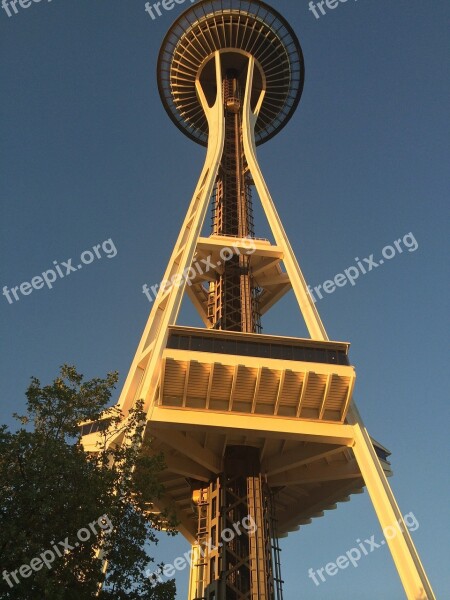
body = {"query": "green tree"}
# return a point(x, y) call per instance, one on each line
point(60, 505)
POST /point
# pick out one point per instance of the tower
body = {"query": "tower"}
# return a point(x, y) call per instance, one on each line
point(260, 433)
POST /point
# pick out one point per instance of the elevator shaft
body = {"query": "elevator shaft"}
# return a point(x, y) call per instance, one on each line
point(236, 562)
point(233, 299)
point(239, 554)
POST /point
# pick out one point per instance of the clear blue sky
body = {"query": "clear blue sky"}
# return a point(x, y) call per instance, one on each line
point(88, 154)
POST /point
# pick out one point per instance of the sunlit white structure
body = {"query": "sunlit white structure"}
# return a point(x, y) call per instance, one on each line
point(250, 424)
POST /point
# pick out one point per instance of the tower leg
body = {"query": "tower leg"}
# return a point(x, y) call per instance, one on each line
point(143, 375)
point(299, 285)
point(404, 553)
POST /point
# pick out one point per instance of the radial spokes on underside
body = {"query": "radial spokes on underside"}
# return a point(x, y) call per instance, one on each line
point(246, 28)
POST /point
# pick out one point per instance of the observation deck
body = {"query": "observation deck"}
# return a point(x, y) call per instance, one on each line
point(221, 371)
point(221, 388)
point(288, 397)
point(237, 29)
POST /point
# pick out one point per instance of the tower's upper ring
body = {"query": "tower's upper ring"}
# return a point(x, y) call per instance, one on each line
point(235, 28)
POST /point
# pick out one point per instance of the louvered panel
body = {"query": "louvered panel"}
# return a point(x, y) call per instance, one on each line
point(239, 397)
point(291, 392)
point(221, 388)
point(314, 391)
point(291, 388)
point(245, 386)
point(174, 378)
point(268, 389)
point(222, 381)
point(197, 388)
point(198, 380)
point(338, 393)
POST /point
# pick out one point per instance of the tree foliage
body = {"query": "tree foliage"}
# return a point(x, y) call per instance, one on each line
point(51, 491)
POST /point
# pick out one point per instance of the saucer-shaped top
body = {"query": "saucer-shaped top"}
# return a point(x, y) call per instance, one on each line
point(237, 29)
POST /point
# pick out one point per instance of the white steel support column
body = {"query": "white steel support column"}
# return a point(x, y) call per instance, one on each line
point(409, 567)
point(304, 299)
point(404, 553)
point(143, 375)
